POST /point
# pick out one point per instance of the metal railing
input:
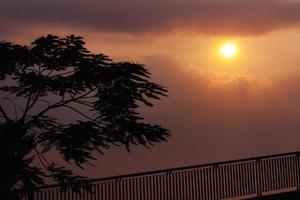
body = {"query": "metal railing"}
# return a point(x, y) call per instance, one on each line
point(223, 180)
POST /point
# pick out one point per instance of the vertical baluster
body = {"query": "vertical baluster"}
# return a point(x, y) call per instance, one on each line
point(152, 186)
point(155, 180)
point(129, 187)
point(166, 191)
point(170, 181)
point(203, 183)
point(139, 188)
point(133, 188)
point(236, 182)
point(207, 186)
point(253, 177)
point(218, 183)
point(258, 180)
point(136, 188)
point(183, 185)
point(297, 168)
point(268, 175)
point(227, 184)
point(224, 179)
point(290, 166)
point(213, 182)
point(282, 178)
point(239, 179)
point(285, 168)
point(277, 173)
point(176, 186)
point(246, 179)
point(294, 168)
point(289, 171)
point(157, 196)
point(231, 180)
point(249, 178)
point(157, 187)
point(194, 183)
point(271, 170)
point(198, 186)
point(263, 176)
point(162, 186)
point(243, 179)
point(188, 185)
point(280, 173)
point(167, 186)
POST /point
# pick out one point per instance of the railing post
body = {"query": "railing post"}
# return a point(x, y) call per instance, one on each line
point(258, 178)
point(297, 171)
point(216, 181)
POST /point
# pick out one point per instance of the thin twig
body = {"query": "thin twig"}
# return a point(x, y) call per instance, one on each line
point(14, 106)
point(26, 107)
point(64, 102)
point(40, 159)
point(86, 103)
point(78, 112)
point(4, 114)
point(65, 73)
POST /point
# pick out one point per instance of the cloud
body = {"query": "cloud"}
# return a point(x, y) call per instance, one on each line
point(220, 17)
point(213, 116)
point(241, 116)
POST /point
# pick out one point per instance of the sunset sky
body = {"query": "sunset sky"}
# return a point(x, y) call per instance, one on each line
point(218, 108)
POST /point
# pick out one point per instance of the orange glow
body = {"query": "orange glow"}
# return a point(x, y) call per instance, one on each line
point(228, 50)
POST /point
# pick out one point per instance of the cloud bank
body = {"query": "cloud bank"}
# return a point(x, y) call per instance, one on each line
point(219, 17)
point(213, 117)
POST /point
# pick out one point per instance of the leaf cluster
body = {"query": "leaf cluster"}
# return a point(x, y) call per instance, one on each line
point(60, 73)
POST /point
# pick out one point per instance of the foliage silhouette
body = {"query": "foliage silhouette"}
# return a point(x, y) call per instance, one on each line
point(58, 74)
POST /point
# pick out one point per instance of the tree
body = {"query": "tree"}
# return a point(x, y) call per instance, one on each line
point(59, 74)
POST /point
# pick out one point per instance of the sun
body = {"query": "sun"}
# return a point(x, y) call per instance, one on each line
point(228, 50)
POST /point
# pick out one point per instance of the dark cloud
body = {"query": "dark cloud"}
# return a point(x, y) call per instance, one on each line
point(212, 117)
point(242, 17)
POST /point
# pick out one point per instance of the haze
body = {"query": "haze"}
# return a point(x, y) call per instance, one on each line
point(217, 110)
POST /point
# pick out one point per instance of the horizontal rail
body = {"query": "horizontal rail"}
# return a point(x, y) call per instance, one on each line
point(220, 180)
point(170, 170)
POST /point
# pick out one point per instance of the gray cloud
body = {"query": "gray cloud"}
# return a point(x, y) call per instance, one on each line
point(243, 17)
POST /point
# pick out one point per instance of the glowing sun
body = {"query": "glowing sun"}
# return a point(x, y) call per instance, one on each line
point(228, 50)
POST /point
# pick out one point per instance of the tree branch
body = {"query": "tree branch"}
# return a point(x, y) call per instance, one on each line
point(14, 106)
point(48, 75)
point(41, 158)
point(62, 74)
point(70, 107)
point(86, 103)
point(29, 106)
point(64, 102)
point(26, 108)
point(4, 114)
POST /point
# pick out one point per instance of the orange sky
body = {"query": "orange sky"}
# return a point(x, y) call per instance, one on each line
point(218, 109)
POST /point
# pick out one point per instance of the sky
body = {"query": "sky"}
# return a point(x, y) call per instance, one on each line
point(217, 109)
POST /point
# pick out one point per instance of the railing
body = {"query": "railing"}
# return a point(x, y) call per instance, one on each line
point(223, 180)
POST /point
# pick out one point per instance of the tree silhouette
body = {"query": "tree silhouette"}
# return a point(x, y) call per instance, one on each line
point(41, 82)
